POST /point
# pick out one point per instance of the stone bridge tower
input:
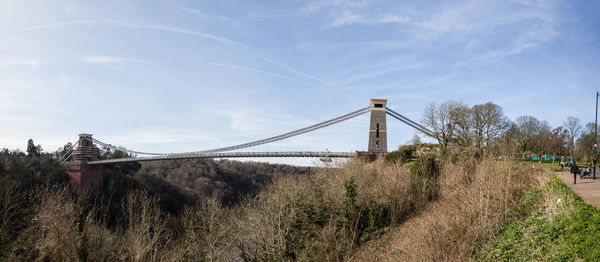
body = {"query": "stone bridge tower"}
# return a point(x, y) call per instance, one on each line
point(377, 128)
point(83, 176)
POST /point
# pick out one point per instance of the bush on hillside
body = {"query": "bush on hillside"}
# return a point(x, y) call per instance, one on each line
point(424, 174)
point(464, 216)
point(403, 154)
point(327, 215)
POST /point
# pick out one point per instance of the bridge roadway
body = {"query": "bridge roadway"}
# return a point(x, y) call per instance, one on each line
point(227, 155)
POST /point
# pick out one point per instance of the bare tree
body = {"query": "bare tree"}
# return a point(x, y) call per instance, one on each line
point(542, 139)
point(509, 140)
point(585, 143)
point(442, 121)
point(464, 129)
point(573, 127)
point(527, 129)
point(144, 234)
point(489, 122)
point(557, 141)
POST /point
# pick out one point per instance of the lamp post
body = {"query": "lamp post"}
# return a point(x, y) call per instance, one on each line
point(595, 135)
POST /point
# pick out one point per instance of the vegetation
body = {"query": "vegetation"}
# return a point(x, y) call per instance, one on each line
point(226, 180)
point(402, 155)
point(563, 228)
point(142, 213)
point(475, 201)
point(138, 217)
point(465, 198)
point(328, 214)
point(485, 128)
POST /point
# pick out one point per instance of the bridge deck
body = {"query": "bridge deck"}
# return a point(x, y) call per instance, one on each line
point(226, 155)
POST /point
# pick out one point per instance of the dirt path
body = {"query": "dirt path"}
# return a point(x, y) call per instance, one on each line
point(587, 188)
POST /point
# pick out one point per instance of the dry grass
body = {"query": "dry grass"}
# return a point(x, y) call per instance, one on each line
point(205, 229)
point(12, 213)
point(474, 203)
point(327, 215)
point(59, 240)
point(144, 233)
point(414, 215)
point(64, 229)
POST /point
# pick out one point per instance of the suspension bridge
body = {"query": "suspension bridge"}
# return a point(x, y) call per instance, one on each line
point(84, 165)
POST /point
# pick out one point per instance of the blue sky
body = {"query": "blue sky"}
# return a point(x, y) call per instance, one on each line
point(175, 76)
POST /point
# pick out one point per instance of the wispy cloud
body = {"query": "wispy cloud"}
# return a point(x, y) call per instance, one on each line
point(32, 64)
point(320, 5)
point(200, 13)
point(110, 59)
point(376, 73)
point(507, 52)
point(132, 137)
point(346, 17)
point(35, 64)
point(130, 24)
point(284, 77)
point(264, 72)
point(223, 40)
point(193, 11)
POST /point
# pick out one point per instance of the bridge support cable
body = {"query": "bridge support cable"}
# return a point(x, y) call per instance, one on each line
point(227, 155)
point(409, 122)
point(250, 144)
point(292, 133)
point(93, 140)
point(66, 156)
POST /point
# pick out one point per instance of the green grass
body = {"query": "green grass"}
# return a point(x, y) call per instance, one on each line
point(552, 167)
point(572, 234)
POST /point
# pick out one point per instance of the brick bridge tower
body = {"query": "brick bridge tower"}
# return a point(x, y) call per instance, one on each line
point(377, 128)
point(83, 176)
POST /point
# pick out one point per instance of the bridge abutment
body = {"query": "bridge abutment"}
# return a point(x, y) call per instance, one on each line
point(85, 177)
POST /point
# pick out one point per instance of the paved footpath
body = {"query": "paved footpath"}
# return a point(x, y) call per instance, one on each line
point(588, 189)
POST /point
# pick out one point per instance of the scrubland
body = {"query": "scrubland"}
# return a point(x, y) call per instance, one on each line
point(430, 210)
point(476, 199)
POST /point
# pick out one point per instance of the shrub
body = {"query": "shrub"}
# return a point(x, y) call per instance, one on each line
point(463, 218)
point(426, 166)
point(326, 215)
point(403, 154)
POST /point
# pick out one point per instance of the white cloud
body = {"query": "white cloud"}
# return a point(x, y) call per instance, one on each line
point(320, 5)
point(394, 19)
point(35, 64)
point(130, 24)
point(264, 72)
point(110, 59)
point(347, 18)
point(284, 77)
point(200, 13)
point(381, 71)
point(32, 64)
point(192, 11)
point(226, 41)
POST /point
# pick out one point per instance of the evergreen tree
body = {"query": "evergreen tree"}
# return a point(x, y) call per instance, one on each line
point(32, 150)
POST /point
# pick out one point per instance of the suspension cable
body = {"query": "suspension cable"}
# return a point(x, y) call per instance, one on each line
point(290, 134)
point(93, 140)
point(409, 122)
point(66, 156)
point(254, 143)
